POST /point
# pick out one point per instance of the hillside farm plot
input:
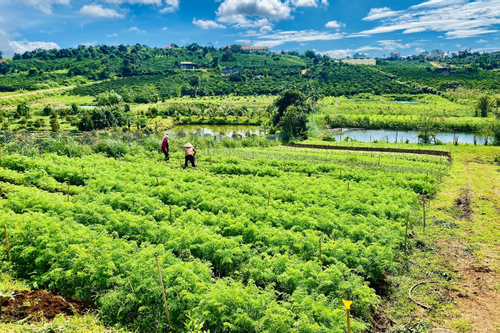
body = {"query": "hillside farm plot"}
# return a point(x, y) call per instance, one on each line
point(252, 240)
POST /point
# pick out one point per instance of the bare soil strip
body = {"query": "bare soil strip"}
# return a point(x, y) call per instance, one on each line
point(38, 305)
point(381, 150)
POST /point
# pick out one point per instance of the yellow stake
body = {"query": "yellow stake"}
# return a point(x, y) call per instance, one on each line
point(347, 305)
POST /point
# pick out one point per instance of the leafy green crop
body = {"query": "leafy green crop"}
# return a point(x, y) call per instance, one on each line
point(228, 258)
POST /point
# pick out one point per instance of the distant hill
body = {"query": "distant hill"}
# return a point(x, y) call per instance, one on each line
point(143, 74)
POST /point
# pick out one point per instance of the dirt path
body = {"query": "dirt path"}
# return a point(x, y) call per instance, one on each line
point(435, 64)
point(472, 192)
point(38, 91)
point(381, 150)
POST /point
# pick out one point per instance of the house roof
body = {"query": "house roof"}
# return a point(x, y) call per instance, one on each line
point(188, 63)
point(2, 61)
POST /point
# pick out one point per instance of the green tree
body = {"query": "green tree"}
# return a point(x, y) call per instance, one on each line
point(47, 110)
point(286, 99)
point(109, 98)
point(23, 109)
point(54, 125)
point(426, 128)
point(484, 105)
point(38, 123)
point(309, 54)
point(294, 122)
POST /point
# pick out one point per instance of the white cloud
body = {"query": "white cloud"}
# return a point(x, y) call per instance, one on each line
point(344, 53)
point(380, 13)
point(23, 46)
point(10, 47)
point(393, 44)
point(438, 3)
point(302, 36)
point(170, 5)
point(335, 25)
point(455, 18)
point(208, 24)
point(139, 2)
point(164, 29)
point(466, 33)
point(99, 11)
point(112, 35)
point(89, 43)
point(135, 29)
point(309, 3)
point(419, 50)
point(481, 41)
point(45, 6)
point(244, 13)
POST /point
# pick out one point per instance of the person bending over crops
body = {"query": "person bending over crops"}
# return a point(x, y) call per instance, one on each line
point(189, 153)
point(164, 147)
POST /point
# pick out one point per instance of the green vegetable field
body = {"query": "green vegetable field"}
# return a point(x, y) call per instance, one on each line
point(252, 240)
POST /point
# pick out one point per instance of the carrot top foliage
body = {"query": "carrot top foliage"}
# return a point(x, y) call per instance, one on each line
point(229, 259)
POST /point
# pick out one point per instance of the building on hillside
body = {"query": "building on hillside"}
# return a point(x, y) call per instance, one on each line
point(226, 71)
point(2, 61)
point(395, 55)
point(437, 53)
point(424, 54)
point(167, 47)
point(370, 62)
point(188, 65)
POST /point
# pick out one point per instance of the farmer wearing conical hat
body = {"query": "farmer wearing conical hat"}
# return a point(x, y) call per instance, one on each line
point(189, 153)
point(164, 147)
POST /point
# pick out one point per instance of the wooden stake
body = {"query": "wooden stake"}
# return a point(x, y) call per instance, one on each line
point(320, 259)
point(162, 290)
point(170, 214)
point(406, 232)
point(157, 183)
point(83, 173)
point(423, 206)
point(348, 185)
point(68, 190)
point(348, 321)
point(268, 198)
point(7, 243)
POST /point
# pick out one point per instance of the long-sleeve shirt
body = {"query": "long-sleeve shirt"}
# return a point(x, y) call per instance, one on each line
point(164, 144)
point(189, 151)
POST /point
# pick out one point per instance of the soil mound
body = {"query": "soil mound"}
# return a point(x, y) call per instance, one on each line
point(38, 305)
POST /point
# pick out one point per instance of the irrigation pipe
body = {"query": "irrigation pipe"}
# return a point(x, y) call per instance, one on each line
point(418, 303)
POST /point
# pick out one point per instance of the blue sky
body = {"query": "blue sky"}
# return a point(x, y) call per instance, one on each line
point(337, 28)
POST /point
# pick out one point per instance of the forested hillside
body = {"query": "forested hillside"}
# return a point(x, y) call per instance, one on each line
point(145, 74)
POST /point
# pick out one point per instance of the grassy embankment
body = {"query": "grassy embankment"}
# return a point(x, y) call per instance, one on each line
point(459, 248)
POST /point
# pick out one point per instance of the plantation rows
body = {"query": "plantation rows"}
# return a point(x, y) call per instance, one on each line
point(241, 248)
